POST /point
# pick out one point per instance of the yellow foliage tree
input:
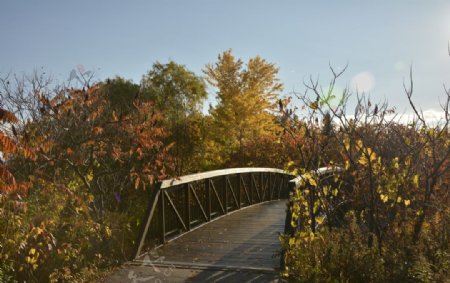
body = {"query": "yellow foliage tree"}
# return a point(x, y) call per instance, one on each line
point(246, 96)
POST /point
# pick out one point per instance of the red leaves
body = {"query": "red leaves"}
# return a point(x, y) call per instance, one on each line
point(84, 131)
point(136, 182)
point(46, 146)
point(97, 130)
point(114, 116)
point(6, 176)
point(8, 183)
point(6, 116)
point(7, 145)
point(16, 188)
point(27, 153)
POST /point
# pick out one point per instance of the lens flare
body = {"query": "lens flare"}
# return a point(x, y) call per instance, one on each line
point(363, 82)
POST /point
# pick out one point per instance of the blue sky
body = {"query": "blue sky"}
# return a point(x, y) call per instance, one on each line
point(378, 39)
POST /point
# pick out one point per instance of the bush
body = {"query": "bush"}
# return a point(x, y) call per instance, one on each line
point(385, 217)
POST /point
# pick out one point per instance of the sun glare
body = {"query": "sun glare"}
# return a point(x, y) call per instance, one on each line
point(363, 82)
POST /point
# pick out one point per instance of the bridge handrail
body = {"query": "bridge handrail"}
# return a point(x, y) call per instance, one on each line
point(296, 182)
point(216, 173)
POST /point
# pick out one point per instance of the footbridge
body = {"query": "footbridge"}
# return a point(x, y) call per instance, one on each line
point(217, 226)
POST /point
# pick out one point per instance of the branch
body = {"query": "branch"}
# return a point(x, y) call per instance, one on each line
point(409, 92)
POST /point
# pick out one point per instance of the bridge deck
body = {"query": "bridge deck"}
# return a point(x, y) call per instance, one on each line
point(242, 246)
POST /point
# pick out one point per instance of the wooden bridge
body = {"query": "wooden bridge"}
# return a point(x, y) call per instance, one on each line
point(217, 226)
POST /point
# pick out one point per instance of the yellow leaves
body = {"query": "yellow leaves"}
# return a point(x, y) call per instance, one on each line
point(408, 161)
point(291, 168)
point(385, 198)
point(432, 133)
point(28, 260)
point(334, 192)
point(108, 231)
point(32, 258)
point(38, 230)
point(285, 273)
point(320, 220)
point(347, 144)
point(368, 155)
point(363, 160)
point(309, 178)
point(395, 163)
point(359, 144)
point(293, 224)
point(371, 154)
point(428, 151)
point(291, 241)
point(326, 190)
point(347, 165)
point(314, 105)
point(415, 181)
point(407, 141)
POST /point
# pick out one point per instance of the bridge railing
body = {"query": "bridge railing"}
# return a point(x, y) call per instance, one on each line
point(181, 204)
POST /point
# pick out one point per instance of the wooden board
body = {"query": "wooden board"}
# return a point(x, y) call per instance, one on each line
point(246, 239)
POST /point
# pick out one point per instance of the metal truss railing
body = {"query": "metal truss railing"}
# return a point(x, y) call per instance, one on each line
point(182, 204)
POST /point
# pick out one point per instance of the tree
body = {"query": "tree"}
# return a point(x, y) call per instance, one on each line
point(247, 97)
point(121, 93)
point(179, 94)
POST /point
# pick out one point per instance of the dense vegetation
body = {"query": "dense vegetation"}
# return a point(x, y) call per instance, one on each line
point(78, 161)
point(385, 216)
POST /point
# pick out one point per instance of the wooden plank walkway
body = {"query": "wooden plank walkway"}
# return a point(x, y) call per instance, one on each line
point(240, 247)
